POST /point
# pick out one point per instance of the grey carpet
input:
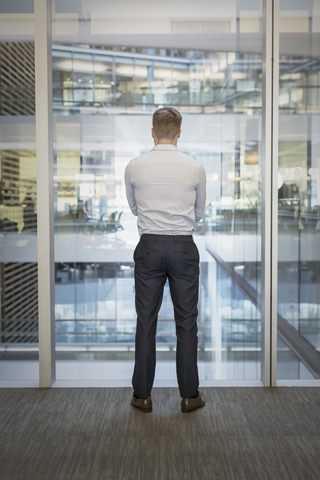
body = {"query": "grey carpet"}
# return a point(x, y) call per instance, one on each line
point(93, 433)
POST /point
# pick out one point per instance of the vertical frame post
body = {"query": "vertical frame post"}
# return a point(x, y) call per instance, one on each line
point(274, 192)
point(269, 192)
point(266, 172)
point(44, 144)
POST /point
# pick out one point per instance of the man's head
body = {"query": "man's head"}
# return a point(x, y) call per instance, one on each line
point(166, 124)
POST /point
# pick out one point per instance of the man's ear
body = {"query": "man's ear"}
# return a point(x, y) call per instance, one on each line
point(152, 134)
point(179, 133)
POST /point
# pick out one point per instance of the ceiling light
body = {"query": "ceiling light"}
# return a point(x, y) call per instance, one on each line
point(81, 66)
point(238, 75)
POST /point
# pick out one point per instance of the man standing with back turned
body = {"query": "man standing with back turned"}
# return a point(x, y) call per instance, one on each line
point(166, 189)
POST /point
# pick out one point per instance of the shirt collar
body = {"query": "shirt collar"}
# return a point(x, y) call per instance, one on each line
point(165, 146)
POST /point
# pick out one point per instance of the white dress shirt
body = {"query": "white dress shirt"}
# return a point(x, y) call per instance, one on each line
point(166, 189)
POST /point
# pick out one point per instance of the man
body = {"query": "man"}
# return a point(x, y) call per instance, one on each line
point(166, 189)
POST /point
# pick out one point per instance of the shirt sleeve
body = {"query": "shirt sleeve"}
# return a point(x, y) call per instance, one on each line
point(130, 190)
point(200, 194)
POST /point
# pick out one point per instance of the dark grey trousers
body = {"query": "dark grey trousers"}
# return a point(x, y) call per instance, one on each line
point(158, 257)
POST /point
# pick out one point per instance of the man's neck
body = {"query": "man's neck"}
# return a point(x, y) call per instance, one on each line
point(166, 141)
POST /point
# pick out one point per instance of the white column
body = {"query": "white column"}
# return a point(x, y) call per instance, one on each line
point(269, 192)
point(43, 75)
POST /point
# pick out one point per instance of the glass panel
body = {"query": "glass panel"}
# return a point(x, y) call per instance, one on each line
point(211, 70)
point(124, 81)
point(62, 81)
point(181, 80)
point(299, 192)
point(19, 349)
point(142, 86)
point(104, 80)
point(83, 79)
point(162, 83)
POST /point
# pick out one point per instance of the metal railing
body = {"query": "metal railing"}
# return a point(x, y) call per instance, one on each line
point(300, 346)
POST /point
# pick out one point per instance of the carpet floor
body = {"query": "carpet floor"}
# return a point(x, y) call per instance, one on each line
point(94, 433)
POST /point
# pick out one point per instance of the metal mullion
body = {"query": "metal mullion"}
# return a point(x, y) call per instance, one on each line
point(45, 228)
point(274, 186)
point(266, 172)
point(269, 207)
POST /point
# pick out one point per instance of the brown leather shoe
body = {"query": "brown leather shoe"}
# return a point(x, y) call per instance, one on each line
point(190, 404)
point(143, 405)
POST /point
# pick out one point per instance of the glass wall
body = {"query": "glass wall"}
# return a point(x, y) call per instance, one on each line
point(109, 78)
point(299, 192)
point(19, 351)
point(113, 66)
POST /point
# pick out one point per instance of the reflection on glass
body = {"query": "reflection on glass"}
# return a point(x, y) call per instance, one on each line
point(299, 193)
point(197, 82)
point(18, 207)
point(218, 92)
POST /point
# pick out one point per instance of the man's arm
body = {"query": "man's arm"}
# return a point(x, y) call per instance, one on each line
point(130, 190)
point(200, 194)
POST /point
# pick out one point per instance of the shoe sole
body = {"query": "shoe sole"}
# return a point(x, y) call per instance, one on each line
point(185, 410)
point(143, 410)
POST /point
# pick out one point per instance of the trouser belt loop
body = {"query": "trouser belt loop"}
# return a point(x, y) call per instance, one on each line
point(175, 239)
point(156, 239)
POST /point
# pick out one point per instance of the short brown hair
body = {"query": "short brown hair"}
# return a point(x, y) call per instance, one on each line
point(166, 122)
